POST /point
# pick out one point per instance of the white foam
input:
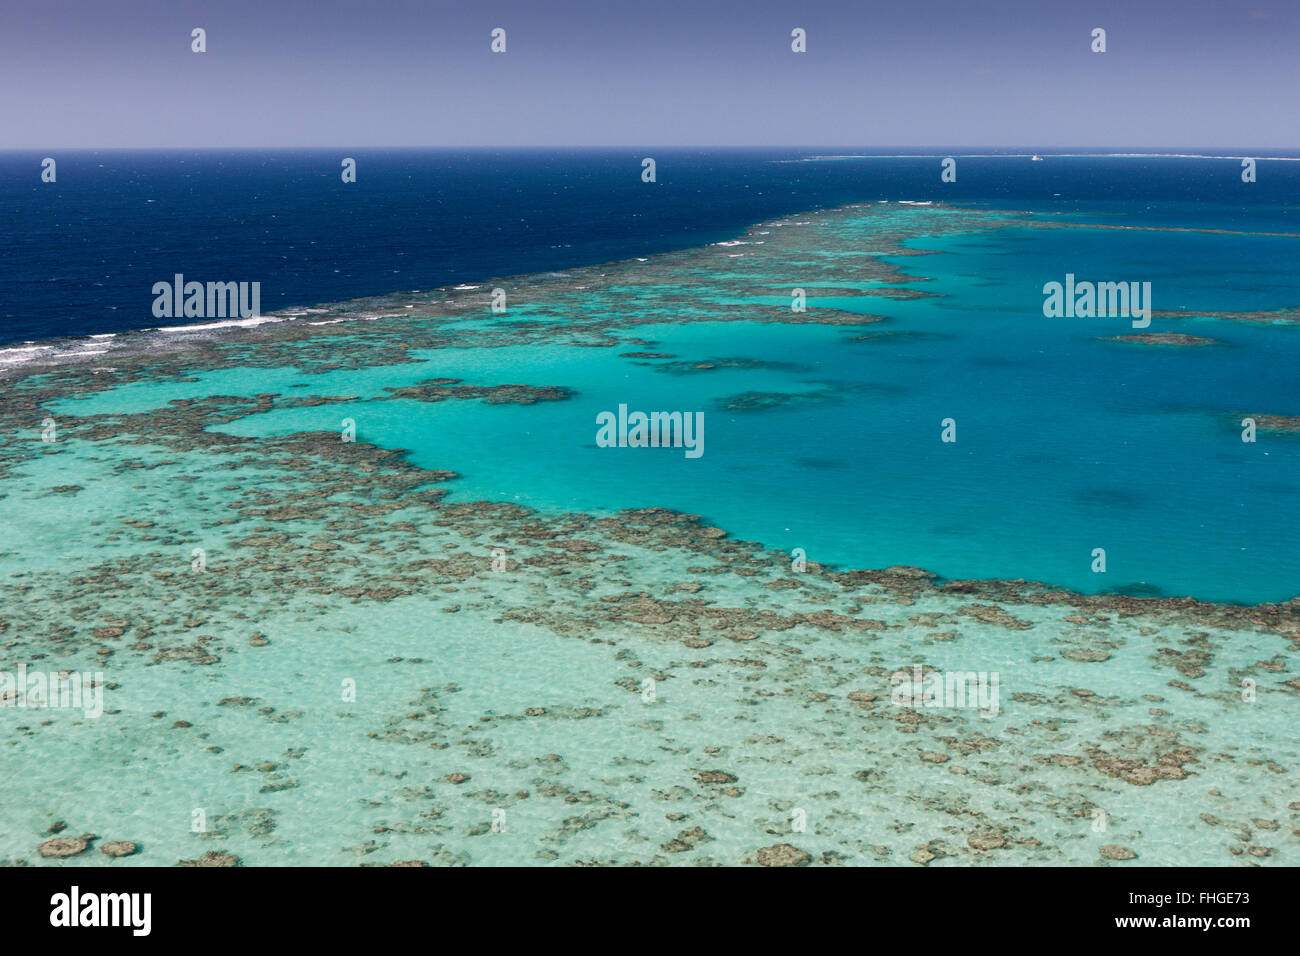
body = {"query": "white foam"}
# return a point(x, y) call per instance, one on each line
point(228, 324)
point(20, 354)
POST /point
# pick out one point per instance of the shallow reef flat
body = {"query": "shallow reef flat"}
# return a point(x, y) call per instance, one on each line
point(360, 667)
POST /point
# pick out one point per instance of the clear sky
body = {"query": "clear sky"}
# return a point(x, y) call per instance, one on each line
point(1177, 73)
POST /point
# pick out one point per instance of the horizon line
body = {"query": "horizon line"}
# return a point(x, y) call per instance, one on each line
point(1114, 150)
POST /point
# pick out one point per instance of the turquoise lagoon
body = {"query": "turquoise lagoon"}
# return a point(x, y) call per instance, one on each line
point(1065, 442)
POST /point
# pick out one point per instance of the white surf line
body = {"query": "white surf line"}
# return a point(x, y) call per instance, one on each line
point(229, 324)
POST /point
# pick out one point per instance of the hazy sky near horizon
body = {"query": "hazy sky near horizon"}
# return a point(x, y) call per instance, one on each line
point(1177, 73)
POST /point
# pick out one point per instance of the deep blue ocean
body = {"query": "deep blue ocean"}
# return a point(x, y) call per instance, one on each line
point(80, 255)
